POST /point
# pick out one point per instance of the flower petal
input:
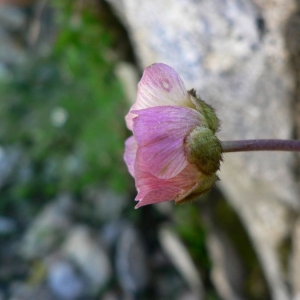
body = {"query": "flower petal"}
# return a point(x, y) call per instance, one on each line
point(160, 133)
point(130, 154)
point(154, 190)
point(160, 85)
point(160, 195)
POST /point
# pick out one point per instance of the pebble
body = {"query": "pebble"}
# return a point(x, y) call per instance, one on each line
point(131, 261)
point(24, 291)
point(85, 250)
point(64, 282)
point(181, 259)
point(7, 225)
point(47, 230)
point(110, 232)
point(12, 18)
point(108, 204)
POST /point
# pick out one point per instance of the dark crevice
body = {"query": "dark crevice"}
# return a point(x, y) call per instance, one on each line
point(121, 41)
point(219, 216)
point(261, 26)
point(292, 40)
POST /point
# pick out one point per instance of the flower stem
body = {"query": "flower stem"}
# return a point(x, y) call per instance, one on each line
point(261, 145)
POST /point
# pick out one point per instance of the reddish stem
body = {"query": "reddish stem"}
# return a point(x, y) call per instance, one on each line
point(261, 145)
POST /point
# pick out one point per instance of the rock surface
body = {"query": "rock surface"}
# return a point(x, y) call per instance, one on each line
point(89, 256)
point(131, 261)
point(233, 52)
point(64, 282)
point(181, 259)
point(48, 229)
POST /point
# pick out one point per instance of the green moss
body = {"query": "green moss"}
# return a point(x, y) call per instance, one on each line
point(189, 226)
point(65, 111)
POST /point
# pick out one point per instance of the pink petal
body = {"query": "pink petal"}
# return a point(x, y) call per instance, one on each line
point(130, 154)
point(160, 85)
point(160, 195)
point(160, 133)
point(153, 190)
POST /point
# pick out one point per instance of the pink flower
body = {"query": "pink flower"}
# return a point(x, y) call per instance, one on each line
point(169, 127)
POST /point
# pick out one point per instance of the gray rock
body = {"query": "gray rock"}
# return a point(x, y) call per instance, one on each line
point(12, 18)
point(187, 296)
point(233, 52)
point(64, 281)
point(131, 261)
point(181, 259)
point(227, 273)
point(110, 296)
point(9, 159)
point(23, 291)
point(215, 52)
point(128, 75)
point(48, 228)
point(110, 233)
point(107, 204)
point(4, 72)
point(88, 254)
point(294, 263)
point(169, 285)
point(7, 225)
point(10, 53)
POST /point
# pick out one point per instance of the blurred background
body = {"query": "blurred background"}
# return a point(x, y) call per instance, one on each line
point(68, 227)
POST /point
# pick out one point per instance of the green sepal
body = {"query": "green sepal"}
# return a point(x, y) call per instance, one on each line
point(210, 118)
point(204, 186)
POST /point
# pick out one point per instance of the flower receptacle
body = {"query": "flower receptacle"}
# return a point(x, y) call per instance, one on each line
point(203, 149)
